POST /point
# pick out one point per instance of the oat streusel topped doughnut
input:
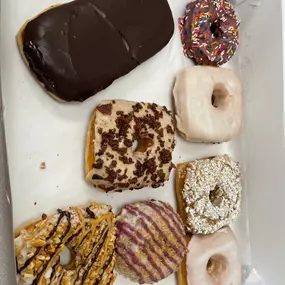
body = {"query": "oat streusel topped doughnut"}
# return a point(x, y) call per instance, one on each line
point(89, 233)
point(111, 162)
point(212, 194)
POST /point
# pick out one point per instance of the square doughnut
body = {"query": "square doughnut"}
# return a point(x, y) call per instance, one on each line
point(208, 104)
point(113, 162)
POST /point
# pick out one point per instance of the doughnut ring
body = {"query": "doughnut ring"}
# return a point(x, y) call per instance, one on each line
point(208, 104)
point(209, 31)
point(214, 259)
point(209, 191)
point(89, 234)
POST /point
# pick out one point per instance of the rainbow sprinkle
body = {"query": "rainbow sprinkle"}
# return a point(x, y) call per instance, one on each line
point(209, 31)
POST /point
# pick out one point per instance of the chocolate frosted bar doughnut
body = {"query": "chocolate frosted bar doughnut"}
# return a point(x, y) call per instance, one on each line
point(78, 49)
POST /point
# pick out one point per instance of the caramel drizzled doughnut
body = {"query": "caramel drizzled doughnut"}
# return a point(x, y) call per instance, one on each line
point(111, 163)
point(209, 31)
point(150, 242)
point(89, 233)
point(209, 193)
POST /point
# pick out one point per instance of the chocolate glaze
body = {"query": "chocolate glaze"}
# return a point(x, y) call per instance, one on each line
point(80, 48)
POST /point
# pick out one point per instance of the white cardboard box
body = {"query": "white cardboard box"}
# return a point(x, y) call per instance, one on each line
point(39, 129)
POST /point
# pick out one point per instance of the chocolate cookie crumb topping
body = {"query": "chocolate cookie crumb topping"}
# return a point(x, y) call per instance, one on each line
point(98, 164)
point(97, 177)
point(128, 142)
point(165, 156)
point(105, 109)
point(117, 162)
point(169, 129)
point(137, 107)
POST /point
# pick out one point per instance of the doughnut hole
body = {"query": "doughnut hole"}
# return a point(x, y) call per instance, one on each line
point(219, 96)
point(216, 267)
point(215, 29)
point(216, 196)
point(142, 144)
point(67, 258)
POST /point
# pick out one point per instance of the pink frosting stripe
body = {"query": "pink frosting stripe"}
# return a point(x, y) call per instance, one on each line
point(170, 214)
point(135, 240)
point(179, 220)
point(174, 232)
point(146, 228)
point(150, 219)
point(135, 262)
point(145, 241)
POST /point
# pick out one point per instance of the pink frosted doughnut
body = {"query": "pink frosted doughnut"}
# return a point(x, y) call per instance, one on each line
point(214, 259)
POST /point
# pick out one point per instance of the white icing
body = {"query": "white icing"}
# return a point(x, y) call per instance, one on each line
point(196, 117)
point(48, 273)
point(221, 245)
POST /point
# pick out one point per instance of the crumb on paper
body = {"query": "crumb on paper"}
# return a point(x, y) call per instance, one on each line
point(43, 165)
point(57, 154)
point(44, 216)
point(35, 203)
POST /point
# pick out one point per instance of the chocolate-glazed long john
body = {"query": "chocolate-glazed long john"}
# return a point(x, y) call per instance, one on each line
point(77, 49)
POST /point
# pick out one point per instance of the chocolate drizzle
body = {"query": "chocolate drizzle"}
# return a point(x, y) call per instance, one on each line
point(75, 229)
point(108, 262)
point(61, 216)
point(95, 257)
point(64, 214)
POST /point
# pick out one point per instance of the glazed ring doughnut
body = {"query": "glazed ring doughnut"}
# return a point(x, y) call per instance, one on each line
point(208, 104)
point(89, 233)
point(209, 31)
point(209, 192)
point(112, 163)
point(214, 259)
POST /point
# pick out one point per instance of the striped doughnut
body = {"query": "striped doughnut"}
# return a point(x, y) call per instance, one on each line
point(150, 242)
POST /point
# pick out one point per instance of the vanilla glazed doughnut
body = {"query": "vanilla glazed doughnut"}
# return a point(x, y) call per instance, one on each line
point(89, 233)
point(150, 243)
point(209, 193)
point(214, 259)
point(208, 104)
point(209, 31)
point(111, 163)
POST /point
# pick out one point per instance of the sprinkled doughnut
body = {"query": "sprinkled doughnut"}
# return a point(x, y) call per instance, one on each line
point(88, 232)
point(209, 191)
point(209, 31)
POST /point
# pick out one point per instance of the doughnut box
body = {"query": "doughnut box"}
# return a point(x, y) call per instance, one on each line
point(42, 166)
